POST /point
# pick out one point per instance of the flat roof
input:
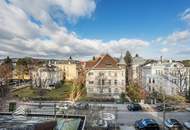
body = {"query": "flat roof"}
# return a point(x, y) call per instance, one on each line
point(41, 122)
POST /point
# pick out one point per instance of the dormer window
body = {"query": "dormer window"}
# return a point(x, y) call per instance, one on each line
point(108, 65)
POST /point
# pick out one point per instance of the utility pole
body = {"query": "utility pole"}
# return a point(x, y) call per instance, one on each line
point(164, 108)
point(189, 85)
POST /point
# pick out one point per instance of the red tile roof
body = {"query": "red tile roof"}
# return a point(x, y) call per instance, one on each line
point(102, 62)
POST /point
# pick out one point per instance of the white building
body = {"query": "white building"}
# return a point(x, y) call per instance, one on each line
point(46, 77)
point(168, 76)
point(105, 76)
point(137, 61)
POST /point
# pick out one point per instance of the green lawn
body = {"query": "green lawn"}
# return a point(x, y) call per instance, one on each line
point(60, 93)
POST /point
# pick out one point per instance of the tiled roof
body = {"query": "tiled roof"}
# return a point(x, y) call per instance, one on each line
point(102, 62)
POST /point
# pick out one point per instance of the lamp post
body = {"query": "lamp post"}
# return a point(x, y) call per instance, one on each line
point(101, 90)
point(164, 102)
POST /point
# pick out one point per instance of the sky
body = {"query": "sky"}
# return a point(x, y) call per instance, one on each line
point(86, 28)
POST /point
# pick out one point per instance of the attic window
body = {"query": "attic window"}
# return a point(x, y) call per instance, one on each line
point(108, 64)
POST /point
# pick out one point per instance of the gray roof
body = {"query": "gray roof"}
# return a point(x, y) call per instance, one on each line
point(121, 61)
point(138, 60)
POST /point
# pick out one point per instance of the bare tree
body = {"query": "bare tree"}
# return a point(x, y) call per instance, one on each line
point(181, 74)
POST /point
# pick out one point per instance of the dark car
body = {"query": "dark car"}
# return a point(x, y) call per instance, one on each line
point(167, 108)
point(173, 124)
point(81, 105)
point(134, 107)
point(146, 124)
point(187, 125)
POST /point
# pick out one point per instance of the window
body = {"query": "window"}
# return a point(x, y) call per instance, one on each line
point(90, 90)
point(109, 65)
point(122, 73)
point(116, 90)
point(99, 81)
point(109, 82)
point(153, 81)
point(149, 80)
point(90, 73)
point(103, 82)
point(109, 90)
point(115, 82)
point(91, 82)
point(122, 82)
point(101, 74)
point(115, 74)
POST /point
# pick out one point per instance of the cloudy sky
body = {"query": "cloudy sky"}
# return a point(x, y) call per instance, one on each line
point(83, 28)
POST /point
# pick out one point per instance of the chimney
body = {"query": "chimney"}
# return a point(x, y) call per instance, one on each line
point(161, 59)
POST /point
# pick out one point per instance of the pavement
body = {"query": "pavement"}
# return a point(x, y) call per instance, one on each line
point(124, 118)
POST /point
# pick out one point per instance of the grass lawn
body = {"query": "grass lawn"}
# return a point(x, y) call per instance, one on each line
point(60, 93)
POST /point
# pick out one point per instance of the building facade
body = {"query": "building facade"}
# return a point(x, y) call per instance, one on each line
point(46, 77)
point(105, 76)
point(137, 61)
point(169, 77)
point(70, 69)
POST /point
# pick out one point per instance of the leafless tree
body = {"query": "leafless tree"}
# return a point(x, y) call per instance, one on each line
point(181, 74)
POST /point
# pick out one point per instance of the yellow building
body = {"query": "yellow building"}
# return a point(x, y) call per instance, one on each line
point(69, 68)
point(20, 76)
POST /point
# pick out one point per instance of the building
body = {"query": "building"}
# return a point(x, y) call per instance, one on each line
point(70, 69)
point(137, 61)
point(169, 77)
point(106, 76)
point(46, 77)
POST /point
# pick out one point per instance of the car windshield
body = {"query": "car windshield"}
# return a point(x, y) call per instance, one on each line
point(173, 121)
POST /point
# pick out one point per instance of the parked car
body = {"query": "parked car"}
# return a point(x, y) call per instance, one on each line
point(134, 107)
point(187, 125)
point(65, 105)
point(173, 124)
point(146, 124)
point(81, 105)
point(167, 108)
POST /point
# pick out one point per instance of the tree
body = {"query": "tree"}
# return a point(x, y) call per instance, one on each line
point(6, 69)
point(93, 58)
point(122, 97)
point(80, 81)
point(128, 58)
point(128, 61)
point(134, 92)
point(23, 67)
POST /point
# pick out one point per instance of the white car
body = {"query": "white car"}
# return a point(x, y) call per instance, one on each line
point(187, 124)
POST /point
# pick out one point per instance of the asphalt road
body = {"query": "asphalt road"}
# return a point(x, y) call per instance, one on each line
point(128, 118)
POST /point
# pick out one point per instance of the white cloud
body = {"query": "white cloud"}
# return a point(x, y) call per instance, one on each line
point(164, 50)
point(181, 37)
point(21, 37)
point(186, 15)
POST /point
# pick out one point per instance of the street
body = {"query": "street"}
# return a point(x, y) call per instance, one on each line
point(128, 118)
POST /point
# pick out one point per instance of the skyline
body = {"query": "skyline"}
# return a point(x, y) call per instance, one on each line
point(83, 28)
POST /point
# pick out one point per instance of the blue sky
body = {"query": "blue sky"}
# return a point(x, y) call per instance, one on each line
point(83, 28)
point(146, 19)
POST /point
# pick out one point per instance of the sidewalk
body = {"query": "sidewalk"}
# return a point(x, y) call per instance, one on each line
point(119, 107)
point(127, 127)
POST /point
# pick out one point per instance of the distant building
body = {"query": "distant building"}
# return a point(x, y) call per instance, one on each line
point(46, 77)
point(137, 61)
point(70, 68)
point(165, 76)
point(106, 76)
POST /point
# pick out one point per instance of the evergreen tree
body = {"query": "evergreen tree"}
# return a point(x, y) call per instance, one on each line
point(128, 61)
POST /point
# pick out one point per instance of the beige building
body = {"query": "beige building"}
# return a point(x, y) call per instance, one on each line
point(69, 68)
point(106, 76)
